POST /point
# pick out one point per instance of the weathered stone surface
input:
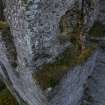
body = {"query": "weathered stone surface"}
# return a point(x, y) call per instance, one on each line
point(1, 10)
point(21, 83)
point(96, 83)
point(101, 11)
point(44, 18)
point(34, 29)
point(71, 89)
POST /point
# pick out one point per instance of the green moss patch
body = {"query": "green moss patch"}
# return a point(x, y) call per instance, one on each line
point(85, 55)
point(97, 30)
point(3, 25)
point(6, 98)
point(50, 74)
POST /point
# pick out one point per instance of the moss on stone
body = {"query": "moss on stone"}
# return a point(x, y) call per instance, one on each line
point(50, 74)
point(97, 30)
point(6, 98)
point(84, 55)
point(3, 25)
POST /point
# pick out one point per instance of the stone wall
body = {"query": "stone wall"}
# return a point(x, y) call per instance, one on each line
point(101, 11)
